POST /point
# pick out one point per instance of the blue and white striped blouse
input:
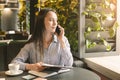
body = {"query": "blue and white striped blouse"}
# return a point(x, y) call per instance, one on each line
point(54, 54)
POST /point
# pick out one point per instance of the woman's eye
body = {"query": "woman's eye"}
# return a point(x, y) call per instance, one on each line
point(51, 19)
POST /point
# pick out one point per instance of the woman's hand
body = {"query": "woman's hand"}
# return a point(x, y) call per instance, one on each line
point(61, 35)
point(39, 79)
point(35, 67)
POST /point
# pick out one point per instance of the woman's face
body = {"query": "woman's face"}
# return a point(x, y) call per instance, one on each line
point(50, 22)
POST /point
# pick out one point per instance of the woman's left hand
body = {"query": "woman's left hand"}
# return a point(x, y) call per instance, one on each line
point(35, 67)
point(61, 35)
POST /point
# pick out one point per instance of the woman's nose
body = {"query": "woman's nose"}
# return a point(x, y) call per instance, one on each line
point(55, 23)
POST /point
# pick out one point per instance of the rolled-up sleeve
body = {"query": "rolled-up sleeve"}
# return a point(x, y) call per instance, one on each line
point(22, 56)
point(66, 58)
point(54, 54)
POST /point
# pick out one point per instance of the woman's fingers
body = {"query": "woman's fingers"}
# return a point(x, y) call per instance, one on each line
point(39, 66)
point(35, 67)
point(39, 79)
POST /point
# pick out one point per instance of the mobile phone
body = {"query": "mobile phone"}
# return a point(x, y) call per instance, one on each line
point(57, 30)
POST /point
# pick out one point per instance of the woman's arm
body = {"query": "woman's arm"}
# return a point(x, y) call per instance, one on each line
point(22, 56)
point(35, 67)
point(66, 58)
point(66, 55)
point(28, 53)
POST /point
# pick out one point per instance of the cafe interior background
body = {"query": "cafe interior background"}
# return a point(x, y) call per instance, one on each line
point(17, 23)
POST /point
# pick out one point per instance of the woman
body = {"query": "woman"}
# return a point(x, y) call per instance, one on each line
point(45, 45)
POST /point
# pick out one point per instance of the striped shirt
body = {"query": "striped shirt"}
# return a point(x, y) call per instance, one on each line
point(54, 54)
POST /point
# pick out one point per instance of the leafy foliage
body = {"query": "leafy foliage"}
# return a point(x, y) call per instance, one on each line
point(98, 18)
point(22, 15)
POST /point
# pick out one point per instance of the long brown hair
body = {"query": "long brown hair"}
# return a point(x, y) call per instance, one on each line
point(39, 28)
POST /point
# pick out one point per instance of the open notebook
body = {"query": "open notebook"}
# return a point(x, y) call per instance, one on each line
point(52, 70)
point(48, 72)
point(56, 66)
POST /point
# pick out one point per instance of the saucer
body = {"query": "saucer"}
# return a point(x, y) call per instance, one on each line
point(11, 74)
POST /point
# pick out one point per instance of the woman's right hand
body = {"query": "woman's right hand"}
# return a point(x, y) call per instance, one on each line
point(35, 67)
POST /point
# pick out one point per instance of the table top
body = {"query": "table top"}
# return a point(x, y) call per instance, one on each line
point(109, 66)
point(75, 73)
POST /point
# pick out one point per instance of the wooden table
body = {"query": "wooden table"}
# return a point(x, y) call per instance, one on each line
point(108, 66)
point(73, 74)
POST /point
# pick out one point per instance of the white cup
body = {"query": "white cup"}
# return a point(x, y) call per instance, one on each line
point(13, 68)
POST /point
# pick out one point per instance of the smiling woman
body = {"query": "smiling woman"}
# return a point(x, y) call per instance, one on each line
point(68, 12)
point(45, 46)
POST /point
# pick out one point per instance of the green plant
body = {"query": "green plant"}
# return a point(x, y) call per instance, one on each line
point(24, 15)
point(28, 15)
point(98, 18)
point(68, 17)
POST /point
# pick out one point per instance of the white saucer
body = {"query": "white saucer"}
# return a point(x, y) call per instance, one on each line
point(9, 73)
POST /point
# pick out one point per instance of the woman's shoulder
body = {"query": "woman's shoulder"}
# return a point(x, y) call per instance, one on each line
point(30, 45)
point(56, 38)
point(65, 38)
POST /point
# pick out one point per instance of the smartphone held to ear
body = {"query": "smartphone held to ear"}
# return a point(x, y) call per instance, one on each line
point(57, 30)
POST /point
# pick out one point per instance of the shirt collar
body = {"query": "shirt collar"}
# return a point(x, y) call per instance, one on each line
point(55, 38)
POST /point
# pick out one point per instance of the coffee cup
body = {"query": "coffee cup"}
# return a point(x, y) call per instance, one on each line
point(13, 68)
